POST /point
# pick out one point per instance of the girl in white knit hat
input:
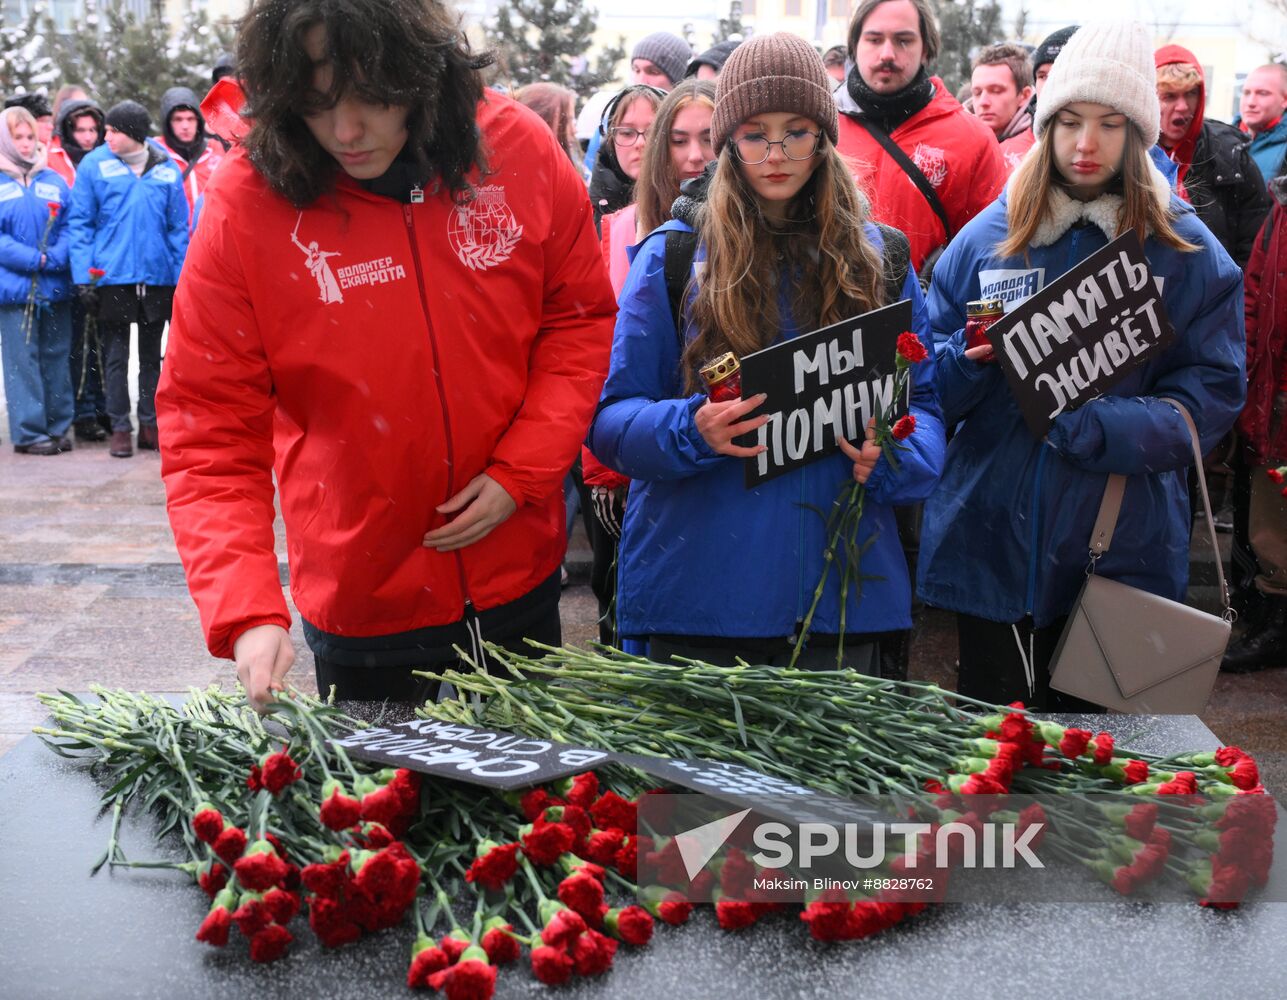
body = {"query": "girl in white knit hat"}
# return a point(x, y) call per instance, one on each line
point(1007, 531)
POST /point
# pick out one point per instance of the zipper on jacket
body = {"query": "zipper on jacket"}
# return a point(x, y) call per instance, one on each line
point(442, 402)
point(1033, 508)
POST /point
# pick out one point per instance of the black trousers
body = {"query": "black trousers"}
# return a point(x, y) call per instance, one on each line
point(991, 664)
point(361, 682)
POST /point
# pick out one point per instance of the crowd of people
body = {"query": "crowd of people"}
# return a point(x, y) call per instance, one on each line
point(489, 298)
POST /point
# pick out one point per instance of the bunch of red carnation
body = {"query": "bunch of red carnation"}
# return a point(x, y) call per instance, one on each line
point(1242, 849)
point(391, 798)
point(569, 946)
point(360, 890)
point(458, 966)
point(259, 897)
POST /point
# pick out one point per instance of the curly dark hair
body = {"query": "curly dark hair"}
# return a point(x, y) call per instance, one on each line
point(403, 52)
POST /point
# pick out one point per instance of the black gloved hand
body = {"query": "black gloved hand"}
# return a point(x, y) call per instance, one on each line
point(88, 295)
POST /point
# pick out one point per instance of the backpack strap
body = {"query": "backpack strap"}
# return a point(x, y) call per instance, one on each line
point(681, 248)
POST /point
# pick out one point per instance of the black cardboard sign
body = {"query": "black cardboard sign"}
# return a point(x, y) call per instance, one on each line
point(1083, 333)
point(821, 386)
point(472, 755)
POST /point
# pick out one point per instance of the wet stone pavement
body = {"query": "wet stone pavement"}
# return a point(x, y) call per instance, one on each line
point(91, 591)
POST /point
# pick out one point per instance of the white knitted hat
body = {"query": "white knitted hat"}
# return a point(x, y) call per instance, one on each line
point(1108, 63)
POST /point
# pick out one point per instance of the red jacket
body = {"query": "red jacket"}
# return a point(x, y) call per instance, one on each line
point(1265, 296)
point(60, 163)
point(391, 353)
point(1014, 149)
point(199, 176)
point(958, 154)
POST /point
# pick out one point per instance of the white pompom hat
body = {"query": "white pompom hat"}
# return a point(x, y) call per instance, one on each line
point(1108, 63)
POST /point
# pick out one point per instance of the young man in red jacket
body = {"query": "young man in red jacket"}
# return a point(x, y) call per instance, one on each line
point(889, 92)
point(395, 301)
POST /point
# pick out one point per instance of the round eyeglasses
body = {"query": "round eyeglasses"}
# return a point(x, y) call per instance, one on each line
point(798, 144)
point(623, 136)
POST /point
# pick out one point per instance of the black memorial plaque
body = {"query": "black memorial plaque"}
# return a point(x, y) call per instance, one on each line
point(473, 755)
point(822, 386)
point(1083, 333)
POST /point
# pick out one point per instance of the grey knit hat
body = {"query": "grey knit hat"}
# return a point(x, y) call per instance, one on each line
point(669, 53)
point(780, 72)
point(1109, 63)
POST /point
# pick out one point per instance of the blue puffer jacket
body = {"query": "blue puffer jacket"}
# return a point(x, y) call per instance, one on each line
point(24, 212)
point(1007, 531)
point(701, 554)
point(1269, 149)
point(134, 228)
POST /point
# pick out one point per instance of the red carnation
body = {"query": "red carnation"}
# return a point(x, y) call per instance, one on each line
point(633, 925)
point(382, 806)
point(562, 928)
point(604, 845)
point(1228, 756)
point(612, 810)
point(251, 917)
point(270, 943)
point(593, 953)
point(583, 789)
point(904, 427)
point(501, 945)
point(213, 878)
point(207, 824)
point(1140, 820)
point(493, 869)
point(95, 273)
point(574, 816)
point(534, 803)
point(261, 869)
point(331, 922)
point(1074, 742)
point(472, 979)
point(544, 844)
point(734, 914)
point(1034, 815)
point(326, 879)
point(582, 893)
point(981, 784)
point(279, 770)
point(339, 812)
point(53, 207)
point(827, 920)
point(1124, 880)
point(1136, 772)
point(627, 858)
point(1275, 475)
point(406, 786)
point(674, 910)
point(552, 966)
point(1245, 775)
point(214, 929)
point(911, 348)
point(1183, 783)
point(282, 905)
point(230, 845)
point(373, 836)
point(454, 947)
point(255, 779)
point(871, 917)
point(425, 961)
point(1103, 749)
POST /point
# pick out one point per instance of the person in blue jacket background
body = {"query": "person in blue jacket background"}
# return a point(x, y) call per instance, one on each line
point(37, 381)
point(707, 568)
point(129, 219)
point(1007, 531)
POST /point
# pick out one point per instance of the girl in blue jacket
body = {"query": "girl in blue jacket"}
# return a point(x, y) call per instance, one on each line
point(707, 568)
point(1007, 532)
point(37, 380)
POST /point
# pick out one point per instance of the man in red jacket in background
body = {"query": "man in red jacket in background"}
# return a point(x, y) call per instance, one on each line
point(395, 300)
point(889, 93)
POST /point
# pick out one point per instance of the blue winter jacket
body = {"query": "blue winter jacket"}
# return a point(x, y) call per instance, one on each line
point(134, 228)
point(1269, 149)
point(24, 212)
point(1007, 531)
point(702, 555)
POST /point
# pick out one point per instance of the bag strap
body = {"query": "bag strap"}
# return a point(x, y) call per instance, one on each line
point(1101, 535)
point(681, 248)
point(911, 170)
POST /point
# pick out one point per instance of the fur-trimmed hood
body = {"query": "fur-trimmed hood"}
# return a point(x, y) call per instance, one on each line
point(1064, 211)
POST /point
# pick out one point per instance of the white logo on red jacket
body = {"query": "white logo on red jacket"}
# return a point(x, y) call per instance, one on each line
point(484, 232)
point(315, 259)
point(932, 162)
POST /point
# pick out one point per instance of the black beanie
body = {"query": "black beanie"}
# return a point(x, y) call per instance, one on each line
point(37, 104)
point(131, 118)
point(1051, 46)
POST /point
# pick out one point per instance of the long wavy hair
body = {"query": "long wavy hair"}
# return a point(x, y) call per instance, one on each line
point(1143, 209)
point(838, 272)
point(402, 52)
point(658, 184)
